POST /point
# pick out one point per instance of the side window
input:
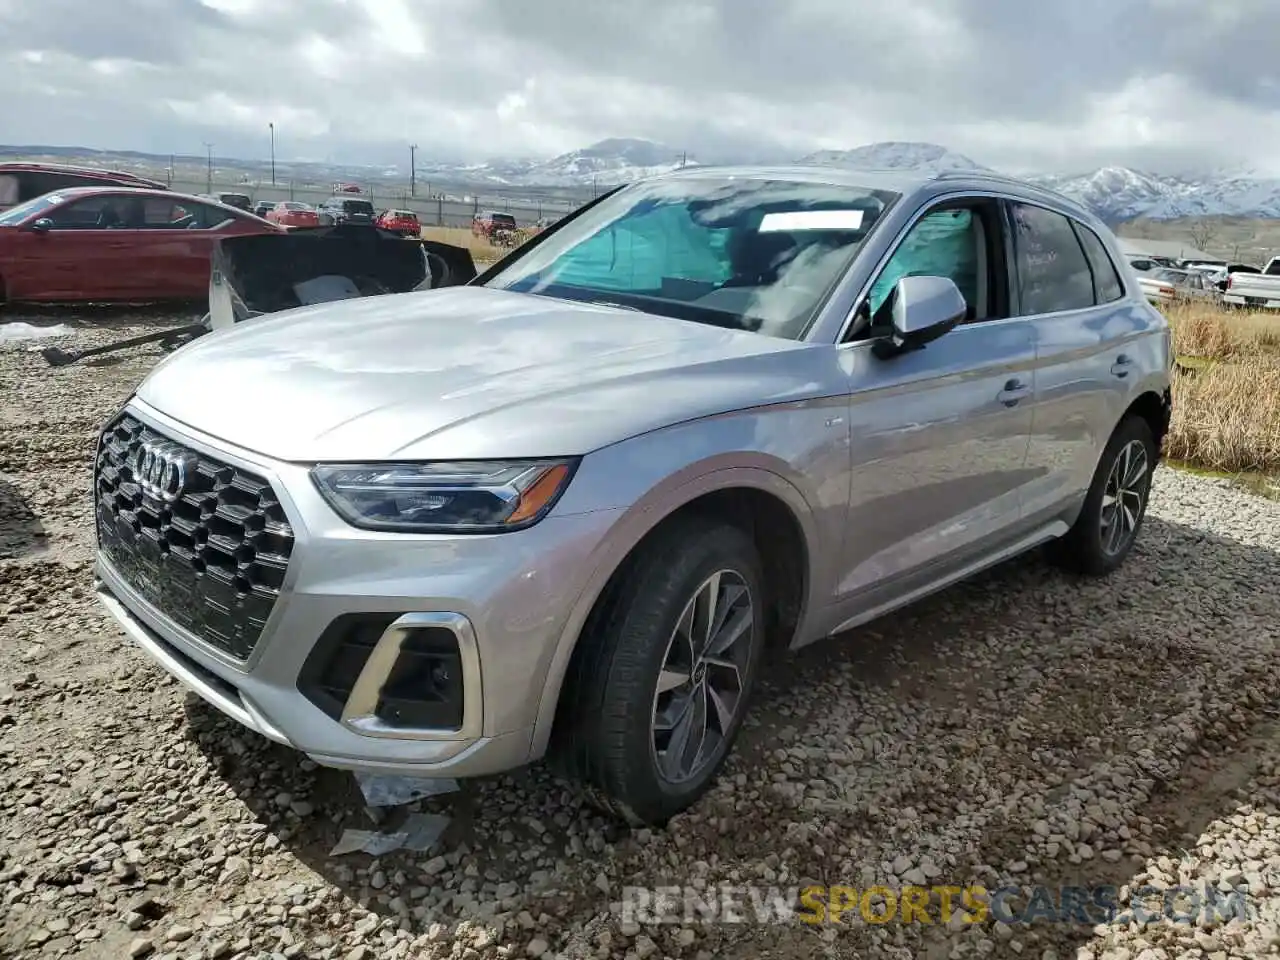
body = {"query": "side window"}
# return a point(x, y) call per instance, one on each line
point(1053, 274)
point(945, 243)
point(91, 213)
point(1106, 280)
point(159, 214)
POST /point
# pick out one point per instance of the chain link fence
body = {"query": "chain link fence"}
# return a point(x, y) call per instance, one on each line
point(452, 207)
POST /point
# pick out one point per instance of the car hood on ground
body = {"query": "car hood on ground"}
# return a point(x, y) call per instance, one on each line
point(465, 372)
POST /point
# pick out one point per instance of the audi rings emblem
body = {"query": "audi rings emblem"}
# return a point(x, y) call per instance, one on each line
point(160, 469)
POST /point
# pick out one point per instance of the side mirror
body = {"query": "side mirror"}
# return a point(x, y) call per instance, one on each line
point(43, 225)
point(924, 308)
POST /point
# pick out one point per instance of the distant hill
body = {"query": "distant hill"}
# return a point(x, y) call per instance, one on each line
point(1117, 194)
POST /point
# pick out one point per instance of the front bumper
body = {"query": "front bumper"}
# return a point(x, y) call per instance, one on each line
point(504, 598)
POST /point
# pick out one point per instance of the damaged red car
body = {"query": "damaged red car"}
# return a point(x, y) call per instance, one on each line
point(403, 222)
point(293, 213)
point(104, 244)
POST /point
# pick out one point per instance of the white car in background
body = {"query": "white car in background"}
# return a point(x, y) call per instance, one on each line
point(1165, 286)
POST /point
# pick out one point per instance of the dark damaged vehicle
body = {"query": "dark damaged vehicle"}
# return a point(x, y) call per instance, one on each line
point(252, 275)
point(21, 181)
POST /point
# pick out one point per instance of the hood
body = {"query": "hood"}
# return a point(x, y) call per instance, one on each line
point(464, 372)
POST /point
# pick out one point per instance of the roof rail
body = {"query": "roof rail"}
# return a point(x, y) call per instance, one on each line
point(977, 175)
point(1005, 178)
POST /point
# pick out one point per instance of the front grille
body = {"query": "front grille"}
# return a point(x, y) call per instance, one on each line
point(214, 559)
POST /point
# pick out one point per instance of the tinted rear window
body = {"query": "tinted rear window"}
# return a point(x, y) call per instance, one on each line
point(357, 206)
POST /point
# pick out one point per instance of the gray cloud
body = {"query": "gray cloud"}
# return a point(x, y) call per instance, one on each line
point(1011, 83)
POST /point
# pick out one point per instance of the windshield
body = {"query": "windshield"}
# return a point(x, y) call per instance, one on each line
point(15, 215)
point(759, 255)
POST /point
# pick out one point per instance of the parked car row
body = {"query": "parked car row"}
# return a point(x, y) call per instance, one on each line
point(1167, 280)
point(124, 242)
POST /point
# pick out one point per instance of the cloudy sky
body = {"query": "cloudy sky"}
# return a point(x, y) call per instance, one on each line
point(1047, 85)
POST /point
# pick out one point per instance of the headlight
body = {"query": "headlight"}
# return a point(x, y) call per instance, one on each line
point(471, 497)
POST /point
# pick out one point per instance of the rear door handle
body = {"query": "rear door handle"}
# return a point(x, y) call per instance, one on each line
point(1121, 367)
point(1013, 391)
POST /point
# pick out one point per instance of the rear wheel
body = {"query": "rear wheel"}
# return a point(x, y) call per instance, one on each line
point(664, 670)
point(1115, 505)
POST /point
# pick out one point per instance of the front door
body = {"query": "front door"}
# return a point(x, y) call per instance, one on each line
point(81, 257)
point(939, 435)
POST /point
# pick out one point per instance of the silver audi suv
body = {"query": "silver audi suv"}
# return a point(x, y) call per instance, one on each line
point(563, 509)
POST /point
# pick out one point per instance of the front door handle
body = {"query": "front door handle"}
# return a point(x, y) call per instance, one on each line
point(1121, 367)
point(1013, 391)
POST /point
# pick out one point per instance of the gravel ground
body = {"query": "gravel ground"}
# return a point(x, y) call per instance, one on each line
point(1023, 728)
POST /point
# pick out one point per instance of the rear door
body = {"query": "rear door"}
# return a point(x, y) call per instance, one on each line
point(939, 435)
point(1069, 289)
point(175, 243)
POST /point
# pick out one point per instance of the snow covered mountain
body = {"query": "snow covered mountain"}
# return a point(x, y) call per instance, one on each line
point(895, 155)
point(606, 163)
point(1115, 194)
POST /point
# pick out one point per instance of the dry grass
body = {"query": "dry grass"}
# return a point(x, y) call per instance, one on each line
point(481, 249)
point(1212, 332)
point(1226, 413)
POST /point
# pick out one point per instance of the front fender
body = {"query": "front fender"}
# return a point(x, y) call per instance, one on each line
point(632, 527)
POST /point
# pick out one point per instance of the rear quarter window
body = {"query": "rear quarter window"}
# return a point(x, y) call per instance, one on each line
point(1106, 279)
point(1053, 272)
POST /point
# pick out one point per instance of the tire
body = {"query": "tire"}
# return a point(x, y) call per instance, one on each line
point(1088, 547)
point(606, 727)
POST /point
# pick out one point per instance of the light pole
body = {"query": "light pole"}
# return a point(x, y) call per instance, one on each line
point(273, 153)
point(208, 186)
point(413, 170)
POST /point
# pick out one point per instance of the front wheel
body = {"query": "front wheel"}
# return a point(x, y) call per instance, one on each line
point(1115, 504)
point(660, 683)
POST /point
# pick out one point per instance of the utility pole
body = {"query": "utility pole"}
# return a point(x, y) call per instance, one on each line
point(208, 188)
point(273, 152)
point(684, 158)
point(413, 170)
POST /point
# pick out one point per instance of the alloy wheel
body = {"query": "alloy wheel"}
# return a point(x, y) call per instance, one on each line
point(700, 687)
point(1122, 497)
